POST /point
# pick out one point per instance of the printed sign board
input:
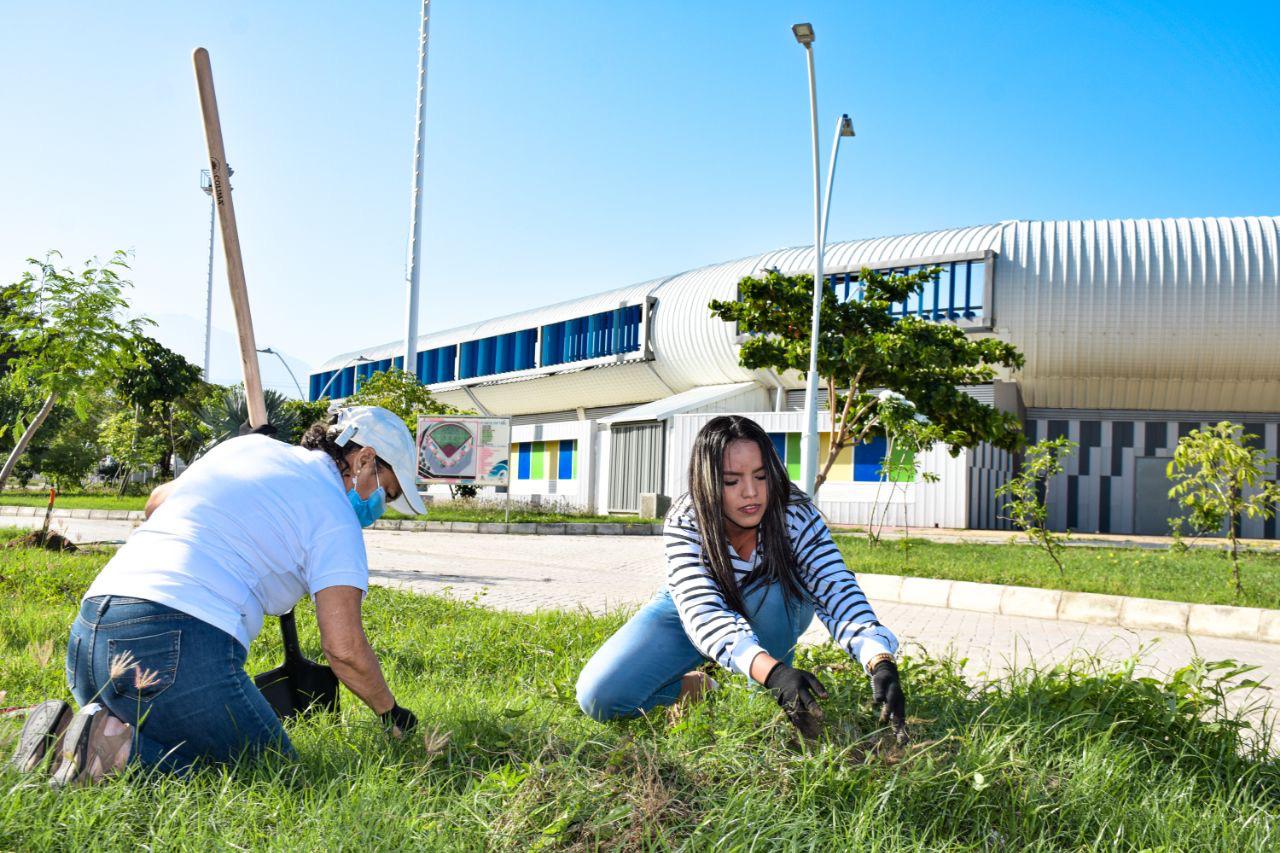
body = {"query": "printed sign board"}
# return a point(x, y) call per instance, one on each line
point(464, 449)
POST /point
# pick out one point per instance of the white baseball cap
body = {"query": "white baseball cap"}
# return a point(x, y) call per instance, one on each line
point(376, 427)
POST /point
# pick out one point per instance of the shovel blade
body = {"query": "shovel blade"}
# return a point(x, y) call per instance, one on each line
point(298, 687)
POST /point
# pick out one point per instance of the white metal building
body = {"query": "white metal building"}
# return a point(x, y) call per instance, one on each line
point(1134, 332)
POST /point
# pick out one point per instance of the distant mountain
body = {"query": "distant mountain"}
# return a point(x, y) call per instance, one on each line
point(184, 334)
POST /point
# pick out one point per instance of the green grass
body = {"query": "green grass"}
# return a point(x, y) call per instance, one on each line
point(74, 500)
point(439, 511)
point(1074, 758)
point(1198, 575)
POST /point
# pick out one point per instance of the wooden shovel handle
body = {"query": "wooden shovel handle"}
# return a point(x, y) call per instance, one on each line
point(230, 238)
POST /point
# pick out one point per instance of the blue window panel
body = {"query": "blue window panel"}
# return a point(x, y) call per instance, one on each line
point(867, 459)
point(467, 360)
point(779, 440)
point(526, 348)
point(976, 274)
point(617, 334)
point(522, 466)
point(446, 358)
point(576, 339)
point(957, 269)
point(564, 469)
point(593, 336)
point(552, 344)
point(485, 360)
point(398, 362)
point(503, 353)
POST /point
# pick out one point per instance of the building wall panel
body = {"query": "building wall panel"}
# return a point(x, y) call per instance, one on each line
point(1097, 493)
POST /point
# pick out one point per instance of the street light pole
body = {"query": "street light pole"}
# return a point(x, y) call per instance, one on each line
point(360, 359)
point(809, 439)
point(844, 127)
point(270, 351)
point(206, 184)
point(415, 215)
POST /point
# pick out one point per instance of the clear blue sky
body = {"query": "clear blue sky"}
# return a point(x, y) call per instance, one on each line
point(574, 147)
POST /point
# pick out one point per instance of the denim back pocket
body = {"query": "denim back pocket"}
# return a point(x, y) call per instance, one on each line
point(153, 664)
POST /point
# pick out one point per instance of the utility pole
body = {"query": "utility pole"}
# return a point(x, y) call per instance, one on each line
point(415, 216)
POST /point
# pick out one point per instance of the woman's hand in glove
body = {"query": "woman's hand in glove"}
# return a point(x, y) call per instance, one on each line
point(399, 721)
point(886, 695)
point(798, 693)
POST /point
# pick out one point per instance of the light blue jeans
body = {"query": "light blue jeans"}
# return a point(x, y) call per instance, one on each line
point(199, 704)
point(640, 666)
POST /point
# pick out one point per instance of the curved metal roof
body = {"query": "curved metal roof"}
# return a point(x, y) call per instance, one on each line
point(1138, 314)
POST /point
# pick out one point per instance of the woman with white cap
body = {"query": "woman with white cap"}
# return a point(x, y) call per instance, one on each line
point(156, 656)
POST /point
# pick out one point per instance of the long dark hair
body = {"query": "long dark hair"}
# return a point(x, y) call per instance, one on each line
point(706, 492)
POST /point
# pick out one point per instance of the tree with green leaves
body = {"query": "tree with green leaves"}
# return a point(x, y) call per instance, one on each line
point(304, 414)
point(863, 349)
point(1220, 477)
point(1025, 492)
point(67, 449)
point(908, 434)
point(402, 393)
point(66, 333)
point(132, 442)
point(154, 380)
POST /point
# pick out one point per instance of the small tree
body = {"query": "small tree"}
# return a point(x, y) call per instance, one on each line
point(132, 444)
point(1219, 477)
point(1026, 505)
point(154, 379)
point(401, 393)
point(64, 335)
point(908, 434)
point(864, 349)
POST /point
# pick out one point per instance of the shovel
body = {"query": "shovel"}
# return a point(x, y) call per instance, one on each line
point(297, 685)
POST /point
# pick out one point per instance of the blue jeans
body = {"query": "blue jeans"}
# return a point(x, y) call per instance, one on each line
point(640, 666)
point(201, 706)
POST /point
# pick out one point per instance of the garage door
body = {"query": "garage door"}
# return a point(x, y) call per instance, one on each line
point(635, 464)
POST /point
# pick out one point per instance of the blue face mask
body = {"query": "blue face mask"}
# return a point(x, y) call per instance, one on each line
point(370, 509)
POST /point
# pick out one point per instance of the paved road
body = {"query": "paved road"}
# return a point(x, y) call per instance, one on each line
point(599, 573)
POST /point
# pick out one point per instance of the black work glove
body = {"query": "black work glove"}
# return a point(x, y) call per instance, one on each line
point(886, 695)
point(399, 718)
point(797, 692)
point(268, 430)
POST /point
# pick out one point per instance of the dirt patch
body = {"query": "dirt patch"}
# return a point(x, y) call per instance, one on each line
point(49, 541)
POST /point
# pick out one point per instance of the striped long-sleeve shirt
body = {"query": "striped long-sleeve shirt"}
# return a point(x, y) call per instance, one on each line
point(724, 635)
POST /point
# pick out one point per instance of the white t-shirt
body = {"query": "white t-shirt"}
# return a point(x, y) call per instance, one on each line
point(247, 530)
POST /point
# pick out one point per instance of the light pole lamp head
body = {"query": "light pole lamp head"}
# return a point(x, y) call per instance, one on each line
point(206, 182)
point(803, 34)
point(846, 125)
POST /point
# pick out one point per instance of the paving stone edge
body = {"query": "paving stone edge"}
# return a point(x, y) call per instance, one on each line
point(1211, 620)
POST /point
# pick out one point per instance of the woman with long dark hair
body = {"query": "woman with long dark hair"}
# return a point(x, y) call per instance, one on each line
point(749, 560)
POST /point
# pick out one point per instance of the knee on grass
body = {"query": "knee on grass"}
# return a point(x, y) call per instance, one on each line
point(600, 700)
